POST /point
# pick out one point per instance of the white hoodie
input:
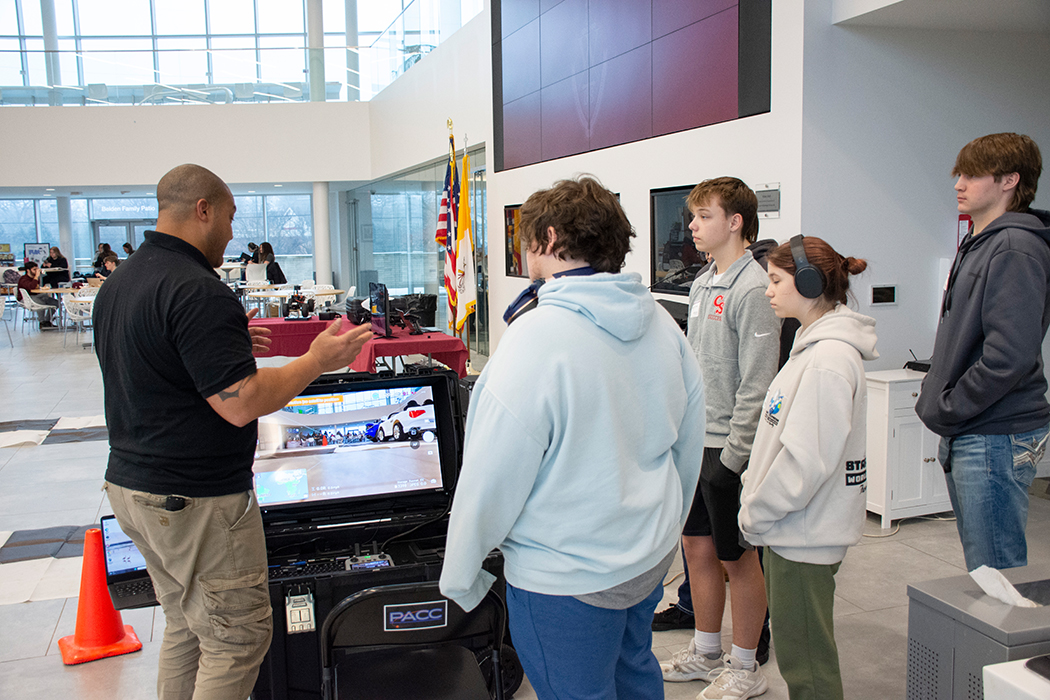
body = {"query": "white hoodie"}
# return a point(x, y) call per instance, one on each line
point(804, 489)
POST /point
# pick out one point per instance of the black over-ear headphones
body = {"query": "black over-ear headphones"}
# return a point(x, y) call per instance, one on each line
point(809, 280)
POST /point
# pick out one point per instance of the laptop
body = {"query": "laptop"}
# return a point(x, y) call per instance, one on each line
point(94, 281)
point(126, 578)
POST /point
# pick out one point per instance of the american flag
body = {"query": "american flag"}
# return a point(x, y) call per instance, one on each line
point(446, 228)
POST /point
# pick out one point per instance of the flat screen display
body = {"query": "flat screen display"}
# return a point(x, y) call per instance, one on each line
point(122, 556)
point(355, 440)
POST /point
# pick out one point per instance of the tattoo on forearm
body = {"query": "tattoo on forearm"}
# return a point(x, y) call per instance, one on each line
point(223, 395)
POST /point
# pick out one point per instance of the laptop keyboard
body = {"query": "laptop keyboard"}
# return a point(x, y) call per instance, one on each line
point(126, 590)
point(312, 568)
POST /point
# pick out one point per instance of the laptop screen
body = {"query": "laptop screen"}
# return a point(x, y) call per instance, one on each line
point(122, 556)
point(356, 441)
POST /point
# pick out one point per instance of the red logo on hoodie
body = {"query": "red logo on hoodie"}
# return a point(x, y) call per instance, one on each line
point(719, 304)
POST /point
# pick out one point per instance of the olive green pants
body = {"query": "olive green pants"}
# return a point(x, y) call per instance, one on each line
point(801, 602)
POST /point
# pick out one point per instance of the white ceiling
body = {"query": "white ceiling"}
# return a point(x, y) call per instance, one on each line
point(975, 15)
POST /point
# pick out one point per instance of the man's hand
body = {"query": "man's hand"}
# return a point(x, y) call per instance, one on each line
point(333, 350)
point(260, 340)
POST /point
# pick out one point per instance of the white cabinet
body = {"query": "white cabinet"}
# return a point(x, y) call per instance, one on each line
point(904, 477)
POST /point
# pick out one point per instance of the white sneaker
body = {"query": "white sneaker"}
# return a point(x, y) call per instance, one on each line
point(734, 683)
point(687, 665)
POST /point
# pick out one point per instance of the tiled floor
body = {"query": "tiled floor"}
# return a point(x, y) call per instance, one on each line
point(50, 485)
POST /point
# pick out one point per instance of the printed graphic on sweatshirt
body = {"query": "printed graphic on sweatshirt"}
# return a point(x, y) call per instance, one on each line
point(719, 305)
point(857, 474)
point(773, 406)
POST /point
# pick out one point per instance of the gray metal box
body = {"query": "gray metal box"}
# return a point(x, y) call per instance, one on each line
point(955, 630)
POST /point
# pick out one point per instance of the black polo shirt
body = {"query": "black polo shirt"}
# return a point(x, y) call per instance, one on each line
point(168, 334)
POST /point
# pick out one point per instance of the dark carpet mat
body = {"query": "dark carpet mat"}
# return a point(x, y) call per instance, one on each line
point(64, 541)
point(11, 425)
point(58, 437)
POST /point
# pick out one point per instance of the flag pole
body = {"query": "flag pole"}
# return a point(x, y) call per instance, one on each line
point(466, 179)
point(452, 159)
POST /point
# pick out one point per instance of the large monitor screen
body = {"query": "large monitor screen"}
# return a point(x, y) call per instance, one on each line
point(353, 441)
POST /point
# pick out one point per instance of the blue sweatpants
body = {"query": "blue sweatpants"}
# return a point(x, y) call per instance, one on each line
point(574, 651)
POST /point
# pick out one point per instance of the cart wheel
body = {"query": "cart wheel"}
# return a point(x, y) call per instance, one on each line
point(510, 668)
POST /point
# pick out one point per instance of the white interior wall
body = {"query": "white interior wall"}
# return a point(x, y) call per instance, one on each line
point(454, 81)
point(885, 111)
point(136, 145)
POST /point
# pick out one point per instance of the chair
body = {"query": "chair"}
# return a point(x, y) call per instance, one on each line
point(77, 312)
point(409, 641)
point(307, 284)
point(319, 297)
point(9, 304)
point(255, 272)
point(28, 304)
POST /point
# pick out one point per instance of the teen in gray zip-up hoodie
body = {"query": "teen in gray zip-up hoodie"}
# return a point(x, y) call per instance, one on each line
point(738, 351)
point(986, 374)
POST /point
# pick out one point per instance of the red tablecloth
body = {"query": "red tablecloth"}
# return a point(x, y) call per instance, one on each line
point(293, 338)
point(290, 338)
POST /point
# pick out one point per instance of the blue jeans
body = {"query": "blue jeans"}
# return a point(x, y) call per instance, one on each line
point(988, 485)
point(574, 651)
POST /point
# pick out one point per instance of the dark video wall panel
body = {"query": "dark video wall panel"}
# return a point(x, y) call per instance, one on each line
point(571, 76)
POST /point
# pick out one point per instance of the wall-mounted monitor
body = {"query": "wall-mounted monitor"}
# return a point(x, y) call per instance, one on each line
point(575, 76)
point(675, 261)
point(517, 263)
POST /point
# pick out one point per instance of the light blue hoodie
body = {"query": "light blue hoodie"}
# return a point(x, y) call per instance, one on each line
point(583, 447)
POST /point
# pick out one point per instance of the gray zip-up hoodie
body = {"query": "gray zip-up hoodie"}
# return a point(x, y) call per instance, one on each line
point(736, 338)
point(986, 375)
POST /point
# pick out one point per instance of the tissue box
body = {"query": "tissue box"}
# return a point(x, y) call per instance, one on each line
point(954, 630)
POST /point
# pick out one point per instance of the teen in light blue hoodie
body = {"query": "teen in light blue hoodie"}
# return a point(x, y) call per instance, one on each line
point(583, 448)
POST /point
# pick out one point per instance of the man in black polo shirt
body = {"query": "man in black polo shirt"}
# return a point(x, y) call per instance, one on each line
point(182, 396)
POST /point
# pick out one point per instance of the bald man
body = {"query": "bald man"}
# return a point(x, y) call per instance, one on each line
point(182, 396)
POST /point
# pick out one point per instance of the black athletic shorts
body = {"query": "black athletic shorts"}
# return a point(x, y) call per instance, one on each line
point(716, 506)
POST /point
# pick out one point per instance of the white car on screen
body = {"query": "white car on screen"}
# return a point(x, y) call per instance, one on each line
point(412, 420)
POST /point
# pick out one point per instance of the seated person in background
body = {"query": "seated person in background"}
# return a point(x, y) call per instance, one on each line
point(265, 254)
point(128, 249)
point(103, 251)
point(108, 266)
point(253, 249)
point(30, 281)
point(56, 260)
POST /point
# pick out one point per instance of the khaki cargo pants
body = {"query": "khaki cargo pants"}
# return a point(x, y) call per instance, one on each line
point(208, 565)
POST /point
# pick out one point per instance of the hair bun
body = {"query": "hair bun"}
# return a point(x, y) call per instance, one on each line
point(855, 266)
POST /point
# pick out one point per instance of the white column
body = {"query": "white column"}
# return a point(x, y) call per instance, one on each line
point(51, 63)
point(315, 49)
point(322, 235)
point(353, 59)
point(65, 230)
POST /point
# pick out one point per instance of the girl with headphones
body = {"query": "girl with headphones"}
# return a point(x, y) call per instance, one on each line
point(803, 495)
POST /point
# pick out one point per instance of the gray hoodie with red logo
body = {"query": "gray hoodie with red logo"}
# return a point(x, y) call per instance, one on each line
point(736, 338)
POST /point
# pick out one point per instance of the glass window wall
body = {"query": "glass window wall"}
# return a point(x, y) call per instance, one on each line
point(396, 220)
point(286, 221)
point(131, 45)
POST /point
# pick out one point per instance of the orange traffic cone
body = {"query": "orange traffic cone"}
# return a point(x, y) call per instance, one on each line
point(100, 630)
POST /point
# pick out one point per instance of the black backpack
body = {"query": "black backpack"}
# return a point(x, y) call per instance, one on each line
point(275, 274)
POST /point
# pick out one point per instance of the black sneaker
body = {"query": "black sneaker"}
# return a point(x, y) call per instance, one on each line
point(675, 619)
point(762, 653)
